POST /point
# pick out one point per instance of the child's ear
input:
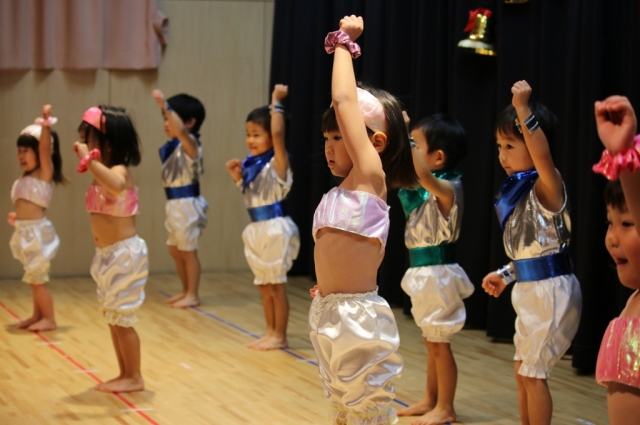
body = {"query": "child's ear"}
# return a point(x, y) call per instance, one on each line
point(379, 141)
point(188, 124)
point(440, 157)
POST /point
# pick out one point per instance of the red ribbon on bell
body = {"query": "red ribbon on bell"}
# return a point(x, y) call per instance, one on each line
point(472, 17)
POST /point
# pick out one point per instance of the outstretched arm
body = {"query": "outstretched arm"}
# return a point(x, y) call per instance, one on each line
point(177, 127)
point(113, 179)
point(617, 127)
point(45, 147)
point(549, 187)
point(367, 166)
point(281, 161)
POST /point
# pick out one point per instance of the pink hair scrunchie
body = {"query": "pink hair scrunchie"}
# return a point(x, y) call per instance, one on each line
point(341, 37)
point(610, 165)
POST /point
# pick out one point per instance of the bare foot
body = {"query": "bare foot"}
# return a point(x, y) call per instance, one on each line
point(26, 323)
point(258, 341)
point(43, 325)
point(175, 298)
point(121, 385)
point(419, 408)
point(186, 302)
point(437, 416)
point(271, 343)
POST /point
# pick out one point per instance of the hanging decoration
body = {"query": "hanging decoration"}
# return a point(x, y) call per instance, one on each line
point(480, 29)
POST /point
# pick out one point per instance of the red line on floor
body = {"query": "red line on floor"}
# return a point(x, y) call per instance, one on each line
point(68, 357)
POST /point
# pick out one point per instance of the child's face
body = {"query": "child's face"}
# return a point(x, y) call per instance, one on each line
point(258, 140)
point(27, 158)
point(513, 154)
point(435, 160)
point(338, 158)
point(623, 244)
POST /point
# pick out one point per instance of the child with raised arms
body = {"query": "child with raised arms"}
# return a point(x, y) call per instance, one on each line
point(352, 328)
point(271, 240)
point(185, 208)
point(533, 210)
point(619, 356)
point(435, 282)
point(109, 145)
point(34, 241)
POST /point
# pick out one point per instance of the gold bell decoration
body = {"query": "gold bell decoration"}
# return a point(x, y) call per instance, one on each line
point(480, 28)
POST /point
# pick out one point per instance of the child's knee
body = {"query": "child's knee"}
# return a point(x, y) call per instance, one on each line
point(173, 251)
point(438, 349)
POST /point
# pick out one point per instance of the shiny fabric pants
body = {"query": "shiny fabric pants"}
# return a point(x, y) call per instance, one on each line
point(548, 318)
point(34, 243)
point(121, 271)
point(356, 339)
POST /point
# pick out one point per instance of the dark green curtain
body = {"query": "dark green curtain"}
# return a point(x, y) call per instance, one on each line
point(572, 52)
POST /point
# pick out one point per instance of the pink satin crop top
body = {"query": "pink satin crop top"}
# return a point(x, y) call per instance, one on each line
point(353, 211)
point(99, 200)
point(33, 190)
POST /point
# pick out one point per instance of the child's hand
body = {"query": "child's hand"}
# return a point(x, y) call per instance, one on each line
point(353, 25)
point(46, 111)
point(407, 120)
point(313, 291)
point(616, 122)
point(80, 149)
point(234, 166)
point(493, 284)
point(11, 218)
point(159, 97)
point(521, 92)
point(280, 91)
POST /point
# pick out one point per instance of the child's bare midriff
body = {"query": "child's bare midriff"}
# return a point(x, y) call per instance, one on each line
point(346, 262)
point(27, 210)
point(107, 229)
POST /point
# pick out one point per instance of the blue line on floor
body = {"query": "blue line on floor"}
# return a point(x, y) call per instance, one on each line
point(246, 332)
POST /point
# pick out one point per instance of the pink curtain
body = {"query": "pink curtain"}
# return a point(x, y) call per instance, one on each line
point(81, 34)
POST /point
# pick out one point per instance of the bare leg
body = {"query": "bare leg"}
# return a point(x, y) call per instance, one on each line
point(128, 349)
point(116, 345)
point(428, 403)
point(182, 273)
point(539, 398)
point(192, 268)
point(42, 296)
point(447, 377)
point(269, 315)
point(523, 404)
point(623, 402)
point(278, 338)
point(37, 314)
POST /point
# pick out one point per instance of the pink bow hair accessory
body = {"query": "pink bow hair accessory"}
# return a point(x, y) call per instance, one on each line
point(372, 111)
point(94, 117)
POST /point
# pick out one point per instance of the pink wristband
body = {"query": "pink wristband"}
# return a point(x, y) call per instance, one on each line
point(610, 166)
point(48, 122)
point(341, 37)
point(84, 162)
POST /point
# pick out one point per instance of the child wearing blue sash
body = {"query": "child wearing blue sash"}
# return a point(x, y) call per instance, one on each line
point(181, 167)
point(532, 207)
point(271, 240)
point(435, 282)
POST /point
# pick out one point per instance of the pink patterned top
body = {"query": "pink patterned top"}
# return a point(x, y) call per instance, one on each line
point(33, 190)
point(353, 211)
point(619, 356)
point(99, 200)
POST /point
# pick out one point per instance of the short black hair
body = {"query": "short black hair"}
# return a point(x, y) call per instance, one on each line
point(614, 196)
point(187, 107)
point(262, 117)
point(444, 133)
point(505, 123)
point(121, 137)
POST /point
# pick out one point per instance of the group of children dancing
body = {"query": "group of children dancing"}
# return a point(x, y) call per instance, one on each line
point(371, 146)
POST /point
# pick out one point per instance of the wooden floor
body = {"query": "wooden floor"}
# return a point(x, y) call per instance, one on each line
point(198, 371)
